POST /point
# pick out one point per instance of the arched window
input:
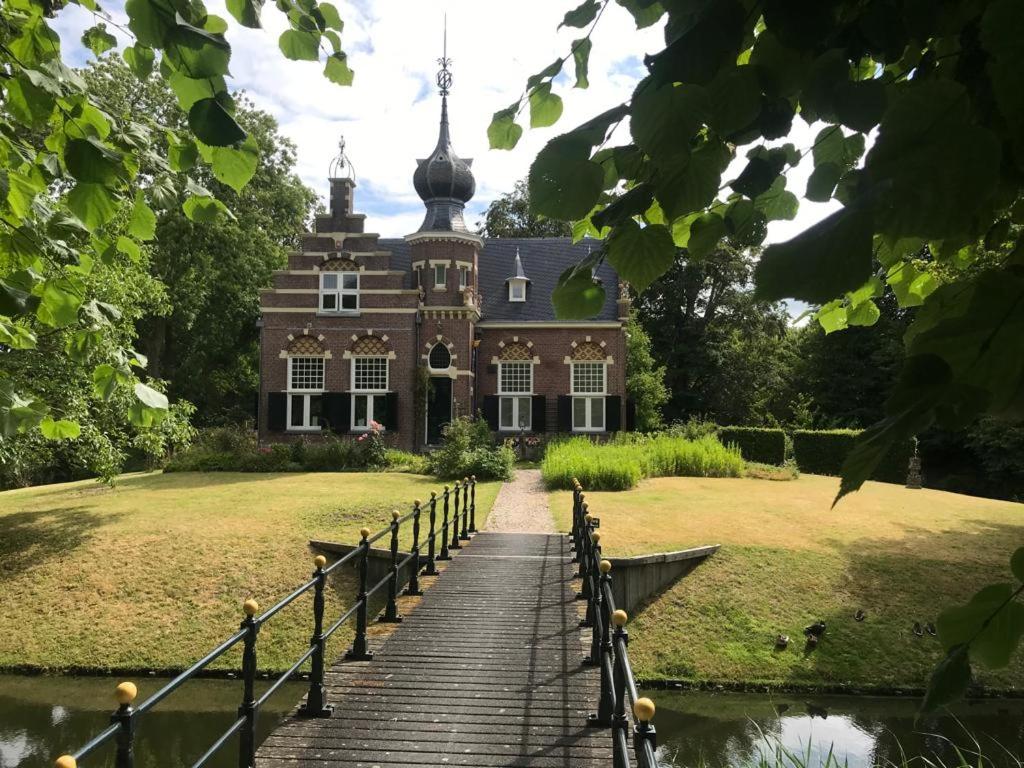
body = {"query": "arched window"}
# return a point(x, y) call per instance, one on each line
point(369, 382)
point(515, 387)
point(589, 380)
point(306, 362)
point(440, 358)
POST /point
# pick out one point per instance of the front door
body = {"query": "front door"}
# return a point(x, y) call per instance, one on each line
point(439, 407)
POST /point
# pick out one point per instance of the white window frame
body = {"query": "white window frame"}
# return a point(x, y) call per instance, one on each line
point(591, 396)
point(306, 393)
point(517, 397)
point(339, 293)
point(512, 285)
point(367, 393)
point(443, 268)
point(463, 278)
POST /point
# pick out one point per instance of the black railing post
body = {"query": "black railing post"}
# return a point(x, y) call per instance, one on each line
point(606, 701)
point(645, 739)
point(581, 545)
point(248, 710)
point(472, 503)
point(316, 699)
point(414, 576)
point(594, 601)
point(454, 544)
point(465, 510)
point(445, 555)
point(620, 722)
point(431, 569)
point(574, 531)
point(391, 610)
point(125, 694)
point(358, 651)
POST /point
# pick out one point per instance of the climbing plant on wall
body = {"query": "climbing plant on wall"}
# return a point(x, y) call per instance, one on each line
point(920, 112)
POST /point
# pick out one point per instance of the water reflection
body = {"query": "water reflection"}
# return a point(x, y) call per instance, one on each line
point(720, 730)
point(42, 717)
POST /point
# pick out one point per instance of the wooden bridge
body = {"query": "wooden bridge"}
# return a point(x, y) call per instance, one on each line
point(491, 668)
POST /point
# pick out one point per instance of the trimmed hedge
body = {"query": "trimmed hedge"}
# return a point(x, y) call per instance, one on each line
point(761, 444)
point(823, 451)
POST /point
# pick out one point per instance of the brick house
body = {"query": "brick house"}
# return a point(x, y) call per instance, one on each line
point(411, 332)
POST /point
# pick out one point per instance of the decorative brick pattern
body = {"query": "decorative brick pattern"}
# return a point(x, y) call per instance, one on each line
point(516, 351)
point(588, 352)
point(370, 345)
point(341, 264)
point(305, 345)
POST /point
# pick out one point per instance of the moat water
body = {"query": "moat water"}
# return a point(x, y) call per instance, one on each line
point(42, 717)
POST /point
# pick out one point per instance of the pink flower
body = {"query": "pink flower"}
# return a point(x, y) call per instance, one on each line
point(360, 438)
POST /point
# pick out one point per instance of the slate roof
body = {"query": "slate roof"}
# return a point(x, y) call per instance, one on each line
point(544, 259)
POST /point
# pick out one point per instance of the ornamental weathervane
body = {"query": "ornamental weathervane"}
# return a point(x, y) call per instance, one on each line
point(444, 75)
point(341, 167)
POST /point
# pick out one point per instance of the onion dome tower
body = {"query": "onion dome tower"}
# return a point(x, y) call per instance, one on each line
point(444, 181)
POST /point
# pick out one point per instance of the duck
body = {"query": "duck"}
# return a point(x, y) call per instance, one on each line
point(918, 632)
point(815, 630)
point(812, 641)
point(930, 629)
point(781, 641)
point(859, 615)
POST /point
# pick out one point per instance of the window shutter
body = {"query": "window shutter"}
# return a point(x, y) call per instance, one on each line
point(390, 420)
point(539, 413)
point(277, 411)
point(564, 413)
point(630, 415)
point(338, 411)
point(613, 413)
point(490, 411)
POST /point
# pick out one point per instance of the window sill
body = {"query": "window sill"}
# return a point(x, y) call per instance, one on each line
point(583, 431)
point(306, 430)
point(516, 430)
point(337, 313)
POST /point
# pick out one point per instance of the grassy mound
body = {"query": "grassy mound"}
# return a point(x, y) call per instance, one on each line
point(621, 464)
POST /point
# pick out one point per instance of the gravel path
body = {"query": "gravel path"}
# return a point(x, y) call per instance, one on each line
point(521, 506)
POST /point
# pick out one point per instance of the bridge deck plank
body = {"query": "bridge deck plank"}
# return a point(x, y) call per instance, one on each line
point(484, 673)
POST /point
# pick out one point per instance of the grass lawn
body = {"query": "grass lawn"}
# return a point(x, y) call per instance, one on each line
point(152, 572)
point(787, 560)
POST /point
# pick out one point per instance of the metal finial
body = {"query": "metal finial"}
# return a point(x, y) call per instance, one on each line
point(341, 166)
point(444, 75)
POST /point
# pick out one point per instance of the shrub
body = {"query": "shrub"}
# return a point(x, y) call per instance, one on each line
point(622, 463)
point(787, 471)
point(693, 429)
point(823, 451)
point(759, 444)
point(466, 449)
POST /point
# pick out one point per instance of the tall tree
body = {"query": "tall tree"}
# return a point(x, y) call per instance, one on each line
point(510, 216)
point(645, 379)
point(213, 270)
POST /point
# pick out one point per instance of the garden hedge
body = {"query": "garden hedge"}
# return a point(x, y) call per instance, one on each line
point(760, 444)
point(822, 452)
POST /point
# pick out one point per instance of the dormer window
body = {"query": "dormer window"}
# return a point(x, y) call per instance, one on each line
point(517, 290)
point(339, 292)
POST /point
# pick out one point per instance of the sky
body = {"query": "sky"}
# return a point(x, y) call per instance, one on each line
point(389, 116)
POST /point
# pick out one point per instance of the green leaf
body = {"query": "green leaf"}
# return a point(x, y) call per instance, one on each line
point(745, 224)
point(17, 414)
point(23, 188)
point(213, 125)
point(247, 12)
point(106, 378)
point(782, 68)
point(581, 58)
point(196, 52)
point(949, 681)
point(93, 162)
point(911, 286)
point(300, 46)
point(204, 209)
point(150, 397)
point(644, 12)
point(822, 182)
point(139, 59)
point(16, 336)
point(822, 262)
point(1002, 33)
point(504, 132)
point(705, 232)
point(777, 203)
point(149, 21)
point(641, 255)
point(633, 203)
point(59, 430)
point(189, 90)
point(59, 303)
point(181, 155)
point(142, 224)
point(991, 623)
point(234, 166)
point(933, 167)
point(711, 40)
point(860, 105)
point(545, 106)
point(578, 296)
point(563, 182)
point(758, 175)
point(664, 118)
point(337, 71)
point(581, 15)
point(735, 99)
point(129, 248)
point(833, 317)
point(685, 185)
point(331, 16)
point(865, 313)
point(28, 102)
point(93, 204)
point(98, 40)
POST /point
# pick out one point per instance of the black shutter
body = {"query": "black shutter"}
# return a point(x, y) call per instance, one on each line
point(538, 413)
point(613, 413)
point(390, 420)
point(630, 415)
point(490, 411)
point(338, 411)
point(277, 411)
point(564, 413)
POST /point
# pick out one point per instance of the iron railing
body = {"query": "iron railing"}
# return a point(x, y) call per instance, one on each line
point(124, 720)
point(609, 647)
